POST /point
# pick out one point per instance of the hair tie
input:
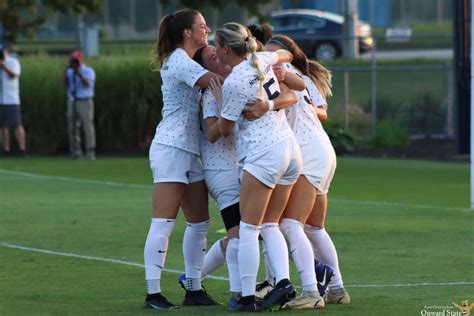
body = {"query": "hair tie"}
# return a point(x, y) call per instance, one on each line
point(279, 43)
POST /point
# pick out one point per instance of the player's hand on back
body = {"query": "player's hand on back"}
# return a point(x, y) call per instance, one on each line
point(216, 89)
point(255, 109)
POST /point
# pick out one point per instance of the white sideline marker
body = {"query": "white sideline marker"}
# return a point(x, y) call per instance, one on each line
point(140, 265)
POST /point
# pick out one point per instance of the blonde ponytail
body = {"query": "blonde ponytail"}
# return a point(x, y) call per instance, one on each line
point(251, 48)
point(238, 38)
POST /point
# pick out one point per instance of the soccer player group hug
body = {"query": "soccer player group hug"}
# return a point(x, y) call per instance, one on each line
point(242, 123)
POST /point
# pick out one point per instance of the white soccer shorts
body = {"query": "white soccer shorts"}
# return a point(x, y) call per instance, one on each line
point(171, 164)
point(223, 186)
point(281, 164)
point(319, 164)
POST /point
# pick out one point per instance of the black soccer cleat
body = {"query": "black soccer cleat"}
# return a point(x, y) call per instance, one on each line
point(263, 289)
point(282, 293)
point(158, 301)
point(248, 304)
point(198, 298)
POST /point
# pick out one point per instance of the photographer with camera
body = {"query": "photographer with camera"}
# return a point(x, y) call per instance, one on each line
point(80, 81)
point(10, 115)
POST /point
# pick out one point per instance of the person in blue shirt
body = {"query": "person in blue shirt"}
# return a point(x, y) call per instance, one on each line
point(80, 80)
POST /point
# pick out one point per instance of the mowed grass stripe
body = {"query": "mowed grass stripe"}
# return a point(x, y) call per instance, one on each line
point(139, 186)
point(135, 264)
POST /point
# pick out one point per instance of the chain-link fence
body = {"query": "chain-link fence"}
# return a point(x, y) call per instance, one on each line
point(415, 98)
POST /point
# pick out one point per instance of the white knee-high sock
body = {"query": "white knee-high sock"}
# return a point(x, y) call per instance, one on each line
point(156, 247)
point(301, 252)
point(232, 259)
point(325, 251)
point(194, 251)
point(215, 258)
point(269, 277)
point(249, 257)
point(277, 250)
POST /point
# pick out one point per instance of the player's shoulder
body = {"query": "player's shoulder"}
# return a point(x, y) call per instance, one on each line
point(236, 80)
point(177, 58)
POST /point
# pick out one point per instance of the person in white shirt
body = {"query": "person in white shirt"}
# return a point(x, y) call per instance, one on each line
point(308, 200)
point(10, 115)
point(269, 154)
point(177, 173)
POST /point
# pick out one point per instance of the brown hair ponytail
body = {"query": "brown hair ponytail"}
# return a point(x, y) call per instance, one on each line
point(321, 78)
point(170, 35)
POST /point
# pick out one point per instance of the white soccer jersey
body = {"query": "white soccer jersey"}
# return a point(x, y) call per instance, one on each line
point(179, 126)
point(318, 101)
point(10, 88)
point(302, 117)
point(221, 155)
point(243, 86)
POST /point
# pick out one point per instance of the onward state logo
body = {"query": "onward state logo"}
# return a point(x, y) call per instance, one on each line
point(447, 310)
point(465, 308)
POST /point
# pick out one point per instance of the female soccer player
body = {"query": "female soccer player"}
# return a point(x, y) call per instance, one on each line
point(177, 174)
point(268, 152)
point(308, 201)
point(304, 122)
point(319, 79)
point(221, 172)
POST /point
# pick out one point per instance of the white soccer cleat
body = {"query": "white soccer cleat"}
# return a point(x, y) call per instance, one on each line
point(305, 301)
point(339, 296)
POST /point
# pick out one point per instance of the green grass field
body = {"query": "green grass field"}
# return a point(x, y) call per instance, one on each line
point(402, 228)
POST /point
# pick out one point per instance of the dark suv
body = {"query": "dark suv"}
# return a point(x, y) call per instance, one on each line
point(318, 33)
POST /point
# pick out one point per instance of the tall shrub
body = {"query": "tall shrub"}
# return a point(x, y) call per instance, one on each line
point(127, 104)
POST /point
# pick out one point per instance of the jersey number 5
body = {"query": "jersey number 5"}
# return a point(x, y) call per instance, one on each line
point(268, 89)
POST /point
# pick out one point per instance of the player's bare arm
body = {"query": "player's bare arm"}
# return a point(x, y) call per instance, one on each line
point(256, 109)
point(205, 80)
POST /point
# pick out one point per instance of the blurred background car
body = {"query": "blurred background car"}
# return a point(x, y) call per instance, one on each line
point(318, 33)
point(52, 33)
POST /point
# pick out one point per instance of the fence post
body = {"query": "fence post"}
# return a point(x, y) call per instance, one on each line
point(373, 88)
point(449, 100)
point(346, 100)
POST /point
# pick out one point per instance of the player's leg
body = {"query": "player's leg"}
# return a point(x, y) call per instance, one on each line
point(325, 251)
point(254, 199)
point(195, 205)
point(263, 288)
point(169, 166)
point(297, 211)
point(166, 200)
point(224, 188)
point(323, 246)
point(275, 244)
point(272, 236)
